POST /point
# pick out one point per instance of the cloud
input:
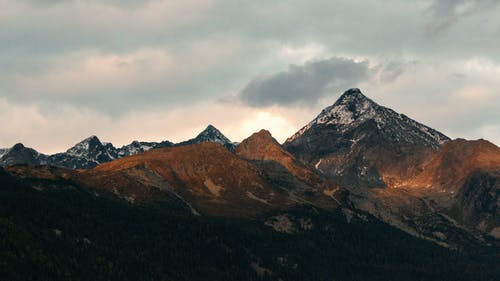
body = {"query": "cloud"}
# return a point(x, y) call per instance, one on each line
point(309, 83)
point(446, 13)
point(305, 84)
point(112, 59)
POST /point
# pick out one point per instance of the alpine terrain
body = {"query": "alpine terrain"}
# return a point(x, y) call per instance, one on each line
point(359, 193)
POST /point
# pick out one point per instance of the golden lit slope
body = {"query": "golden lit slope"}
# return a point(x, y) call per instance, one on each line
point(207, 175)
point(261, 146)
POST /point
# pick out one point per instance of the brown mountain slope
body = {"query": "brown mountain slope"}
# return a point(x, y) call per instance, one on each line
point(208, 177)
point(459, 183)
point(470, 172)
point(263, 149)
point(448, 168)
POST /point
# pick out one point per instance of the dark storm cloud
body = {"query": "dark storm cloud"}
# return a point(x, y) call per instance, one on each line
point(306, 83)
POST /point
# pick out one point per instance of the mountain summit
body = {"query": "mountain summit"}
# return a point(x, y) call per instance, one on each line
point(353, 109)
point(210, 134)
point(356, 139)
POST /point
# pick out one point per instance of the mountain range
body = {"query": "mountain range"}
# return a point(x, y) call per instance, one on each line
point(91, 152)
point(360, 192)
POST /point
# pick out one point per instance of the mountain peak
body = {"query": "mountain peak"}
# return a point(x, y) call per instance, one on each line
point(211, 127)
point(352, 92)
point(212, 134)
point(85, 146)
point(92, 138)
point(351, 109)
point(261, 146)
point(263, 134)
point(18, 146)
point(261, 140)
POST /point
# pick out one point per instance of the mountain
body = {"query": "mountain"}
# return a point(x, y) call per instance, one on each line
point(362, 144)
point(210, 134)
point(404, 172)
point(19, 154)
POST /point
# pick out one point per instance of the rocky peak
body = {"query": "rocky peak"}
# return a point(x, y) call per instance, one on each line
point(19, 154)
point(85, 147)
point(213, 134)
point(260, 146)
point(354, 109)
point(262, 136)
point(18, 146)
point(350, 110)
point(210, 134)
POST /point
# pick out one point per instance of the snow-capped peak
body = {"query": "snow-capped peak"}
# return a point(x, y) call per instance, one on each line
point(353, 109)
point(352, 106)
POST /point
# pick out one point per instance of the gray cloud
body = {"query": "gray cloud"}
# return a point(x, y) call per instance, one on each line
point(446, 13)
point(306, 83)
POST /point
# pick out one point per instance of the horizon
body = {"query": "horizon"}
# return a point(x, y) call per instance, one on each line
point(163, 70)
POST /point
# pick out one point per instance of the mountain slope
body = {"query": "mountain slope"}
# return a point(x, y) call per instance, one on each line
point(199, 174)
point(54, 229)
point(264, 150)
point(469, 172)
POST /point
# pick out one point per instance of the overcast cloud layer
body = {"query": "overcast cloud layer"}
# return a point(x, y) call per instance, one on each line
point(156, 70)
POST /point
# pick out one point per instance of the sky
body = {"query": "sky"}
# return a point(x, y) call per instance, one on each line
point(156, 70)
